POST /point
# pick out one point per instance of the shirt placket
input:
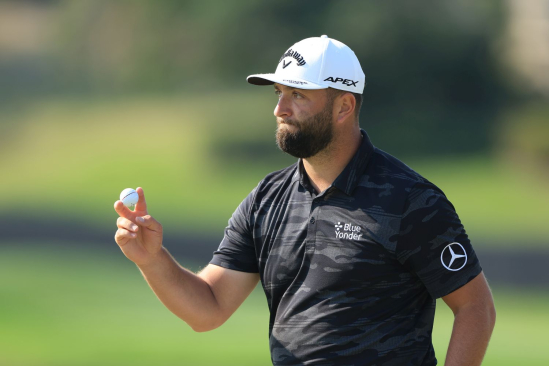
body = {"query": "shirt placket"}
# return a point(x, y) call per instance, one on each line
point(311, 226)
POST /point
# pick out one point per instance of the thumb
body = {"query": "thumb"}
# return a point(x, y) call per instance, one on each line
point(149, 222)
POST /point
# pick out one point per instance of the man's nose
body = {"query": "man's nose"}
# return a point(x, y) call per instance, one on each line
point(282, 109)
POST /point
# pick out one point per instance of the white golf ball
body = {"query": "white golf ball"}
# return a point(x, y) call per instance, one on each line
point(129, 198)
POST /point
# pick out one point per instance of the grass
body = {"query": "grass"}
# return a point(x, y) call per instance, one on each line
point(65, 306)
point(197, 157)
point(68, 307)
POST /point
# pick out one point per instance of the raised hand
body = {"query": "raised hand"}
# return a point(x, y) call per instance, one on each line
point(139, 235)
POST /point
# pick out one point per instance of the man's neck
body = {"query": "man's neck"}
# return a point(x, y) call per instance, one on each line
point(323, 168)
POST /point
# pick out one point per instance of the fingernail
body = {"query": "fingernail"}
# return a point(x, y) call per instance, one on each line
point(134, 227)
point(140, 219)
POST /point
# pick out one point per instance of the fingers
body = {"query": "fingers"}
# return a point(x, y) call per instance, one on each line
point(122, 236)
point(123, 211)
point(141, 205)
point(148, 222)
point(124, 223)
point(128, 219)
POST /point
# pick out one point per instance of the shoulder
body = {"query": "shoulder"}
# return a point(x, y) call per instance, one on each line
point(268, 189)
point(412, 197)
point(387, 166)
point(278, 179)
point(265, 191)
point(393, 183)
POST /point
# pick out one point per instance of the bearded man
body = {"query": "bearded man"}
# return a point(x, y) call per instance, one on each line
point(352, 247)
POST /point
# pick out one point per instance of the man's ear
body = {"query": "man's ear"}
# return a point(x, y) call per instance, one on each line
point(345, 107)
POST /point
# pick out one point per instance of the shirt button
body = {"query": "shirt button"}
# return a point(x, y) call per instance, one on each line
point(312, 220)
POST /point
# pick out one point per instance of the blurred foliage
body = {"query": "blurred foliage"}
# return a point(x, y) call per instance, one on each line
point(523, 138)
point(434, 78)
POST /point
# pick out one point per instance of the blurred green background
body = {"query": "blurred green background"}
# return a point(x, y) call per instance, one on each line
point(98, 96)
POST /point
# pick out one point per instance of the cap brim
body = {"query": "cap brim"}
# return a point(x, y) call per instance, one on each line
point(270, 79)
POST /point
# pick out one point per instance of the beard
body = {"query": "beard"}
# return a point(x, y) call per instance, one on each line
point(309, 137)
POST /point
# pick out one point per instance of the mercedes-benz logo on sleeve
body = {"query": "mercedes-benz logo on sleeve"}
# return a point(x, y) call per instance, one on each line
point(453, 257)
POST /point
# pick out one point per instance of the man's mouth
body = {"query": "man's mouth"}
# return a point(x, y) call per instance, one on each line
point(284, 122)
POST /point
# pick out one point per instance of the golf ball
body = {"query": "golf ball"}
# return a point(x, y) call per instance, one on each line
point(129, 198)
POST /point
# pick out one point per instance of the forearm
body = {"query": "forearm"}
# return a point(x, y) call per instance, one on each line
point(184, 293)
point(470, 336)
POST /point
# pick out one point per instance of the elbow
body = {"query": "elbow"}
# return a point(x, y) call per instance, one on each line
point(198, 329)
point(205, 326)
point(486, 316)
point(492, 316)
point(482, 315)
point(202, 328)
point(490, 312)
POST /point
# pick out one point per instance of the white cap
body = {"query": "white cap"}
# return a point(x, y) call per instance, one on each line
point(316, 63)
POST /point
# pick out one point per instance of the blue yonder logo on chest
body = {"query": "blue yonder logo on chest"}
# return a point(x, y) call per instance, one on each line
point(347, 231)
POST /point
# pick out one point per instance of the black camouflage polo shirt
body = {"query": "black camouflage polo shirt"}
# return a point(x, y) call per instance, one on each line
point(351, 275)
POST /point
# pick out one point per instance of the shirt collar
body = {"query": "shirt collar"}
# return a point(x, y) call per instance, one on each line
point(348, 178)
point(300, 175)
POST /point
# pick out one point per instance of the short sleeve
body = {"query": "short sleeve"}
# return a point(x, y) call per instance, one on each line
point(237, 251)
point(433, 244)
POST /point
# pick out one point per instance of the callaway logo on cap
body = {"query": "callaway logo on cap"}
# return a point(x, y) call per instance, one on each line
point(316, 63)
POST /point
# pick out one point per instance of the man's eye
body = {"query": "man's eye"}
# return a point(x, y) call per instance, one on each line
point(297, 95)
point(277, 92)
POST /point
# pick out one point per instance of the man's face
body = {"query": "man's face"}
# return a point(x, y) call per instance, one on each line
point(304, 121)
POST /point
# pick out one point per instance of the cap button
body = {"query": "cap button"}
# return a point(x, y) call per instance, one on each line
point(323, 36)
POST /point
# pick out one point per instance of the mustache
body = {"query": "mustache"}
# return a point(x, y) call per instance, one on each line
point(286, 121)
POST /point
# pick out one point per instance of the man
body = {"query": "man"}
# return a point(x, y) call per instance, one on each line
point(352, 247)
